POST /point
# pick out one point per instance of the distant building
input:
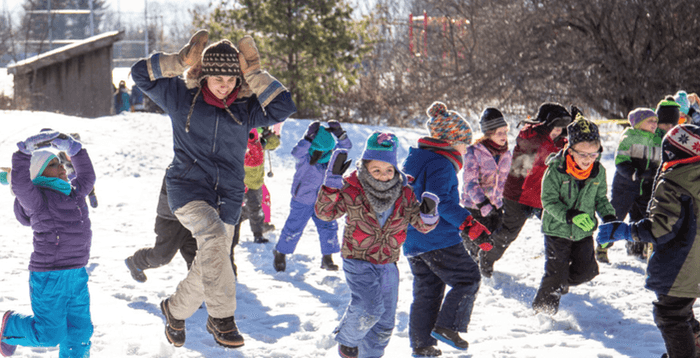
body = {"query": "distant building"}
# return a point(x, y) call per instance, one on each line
point(75, 79)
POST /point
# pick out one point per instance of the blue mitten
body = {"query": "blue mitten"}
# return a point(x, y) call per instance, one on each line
point(66, 143)
point(336, 167)
point(613, 231)
point(37, 141)
point(429, 208)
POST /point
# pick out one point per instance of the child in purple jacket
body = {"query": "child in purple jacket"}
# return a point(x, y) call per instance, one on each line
point(59, 218)
point(486, 166)
point(312, 154)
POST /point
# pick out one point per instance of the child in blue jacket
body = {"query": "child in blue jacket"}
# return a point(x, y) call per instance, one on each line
point(58, 216)
point(312, 154)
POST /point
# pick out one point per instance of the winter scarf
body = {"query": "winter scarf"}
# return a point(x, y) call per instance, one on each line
point(56, 184)
point(381, 194)
point(443, 148)
point(493, 148)
point(573, 169)
point(216, 102)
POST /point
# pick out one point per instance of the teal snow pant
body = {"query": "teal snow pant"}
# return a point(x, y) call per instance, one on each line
point(61, 306)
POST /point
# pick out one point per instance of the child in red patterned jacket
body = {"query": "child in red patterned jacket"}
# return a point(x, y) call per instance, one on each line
point(379, 206)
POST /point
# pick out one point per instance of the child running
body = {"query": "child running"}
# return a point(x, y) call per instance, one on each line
point(312, 154)
point(379, 206)
point(574, 188)
point(58, 215)
point(671, 226)
point(486, 167)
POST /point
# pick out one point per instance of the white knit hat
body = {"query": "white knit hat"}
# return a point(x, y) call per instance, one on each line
point(40, 159)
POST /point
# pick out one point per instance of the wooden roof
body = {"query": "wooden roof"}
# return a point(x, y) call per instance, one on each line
point(65, 52)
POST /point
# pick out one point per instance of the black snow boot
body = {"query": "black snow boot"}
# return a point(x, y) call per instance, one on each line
point(225, 331)
point(259, 239)
point(347, 352)
point(280, 263)
point(174, 328)
point(429, 351)
point(136, 273)
point(327, 263)
point(450, 337)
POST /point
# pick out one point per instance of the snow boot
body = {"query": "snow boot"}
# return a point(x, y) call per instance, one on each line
point(485, 266)
point(450, 337)
point(280, 263)
point(327, 263)
point(7, 349)
point(225, 331)
point(601, 254)
point(267, 227)
point(347, 352)
point(259, 239)
point(136, 273)
point(174, 328)
point(429, 351)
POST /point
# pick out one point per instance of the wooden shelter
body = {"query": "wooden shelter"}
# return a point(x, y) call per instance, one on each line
point(75, 79)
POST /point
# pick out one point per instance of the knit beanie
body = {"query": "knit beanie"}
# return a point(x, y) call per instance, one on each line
point(681, 98)
point(668, 111)
point(582, 130)
point(681, 142)
point(491, 118)
point(221, 59)
point(40, 159)
point(639, 115)
point(383, 147)
point(448, 126)
point(323, 142)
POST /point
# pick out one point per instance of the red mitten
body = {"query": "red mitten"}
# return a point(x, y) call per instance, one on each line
point(476, 232)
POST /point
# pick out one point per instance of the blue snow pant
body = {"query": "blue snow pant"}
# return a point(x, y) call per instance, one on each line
point(432, 271)
point(369, 319)
point(61, 306)
point(299, 215)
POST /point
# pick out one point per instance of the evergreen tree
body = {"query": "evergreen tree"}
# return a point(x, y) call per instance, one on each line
point(313, 46)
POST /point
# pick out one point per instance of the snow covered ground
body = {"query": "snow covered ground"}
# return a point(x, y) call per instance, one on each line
point(292, 314)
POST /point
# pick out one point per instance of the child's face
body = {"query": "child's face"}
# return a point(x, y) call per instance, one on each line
point(500, 136)
point(585, 153)
point(649, 125)
point(381, 171)
point(556, 131)
point(55, 170)
point(221, 86)
point(665, 126)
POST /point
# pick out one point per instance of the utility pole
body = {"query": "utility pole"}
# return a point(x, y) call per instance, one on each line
point(145, 21)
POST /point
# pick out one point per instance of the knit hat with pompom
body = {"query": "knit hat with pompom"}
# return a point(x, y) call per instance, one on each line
point(447, 125)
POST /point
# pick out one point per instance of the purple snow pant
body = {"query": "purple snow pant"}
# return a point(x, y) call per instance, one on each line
point(369, 319)
point(299, 215)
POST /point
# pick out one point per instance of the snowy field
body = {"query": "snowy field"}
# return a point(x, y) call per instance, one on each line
point(293, 313)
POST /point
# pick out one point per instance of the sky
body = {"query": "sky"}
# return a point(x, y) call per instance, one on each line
point(293, 313)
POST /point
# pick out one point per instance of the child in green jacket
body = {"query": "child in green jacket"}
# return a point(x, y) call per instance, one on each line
point(573, 189)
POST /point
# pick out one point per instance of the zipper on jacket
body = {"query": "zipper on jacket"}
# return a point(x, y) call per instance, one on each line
point(216, 133)
point(216, 184)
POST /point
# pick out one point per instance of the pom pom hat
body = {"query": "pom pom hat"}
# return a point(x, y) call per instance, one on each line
point(447, 125)
point(40, 159)
point(383, 147)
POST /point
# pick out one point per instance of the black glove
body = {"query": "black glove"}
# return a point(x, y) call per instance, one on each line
point(340, 163)
point(335, 129)
point(315, 156)
point(311, 132)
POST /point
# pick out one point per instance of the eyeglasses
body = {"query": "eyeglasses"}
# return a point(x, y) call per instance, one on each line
point(585, 155)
